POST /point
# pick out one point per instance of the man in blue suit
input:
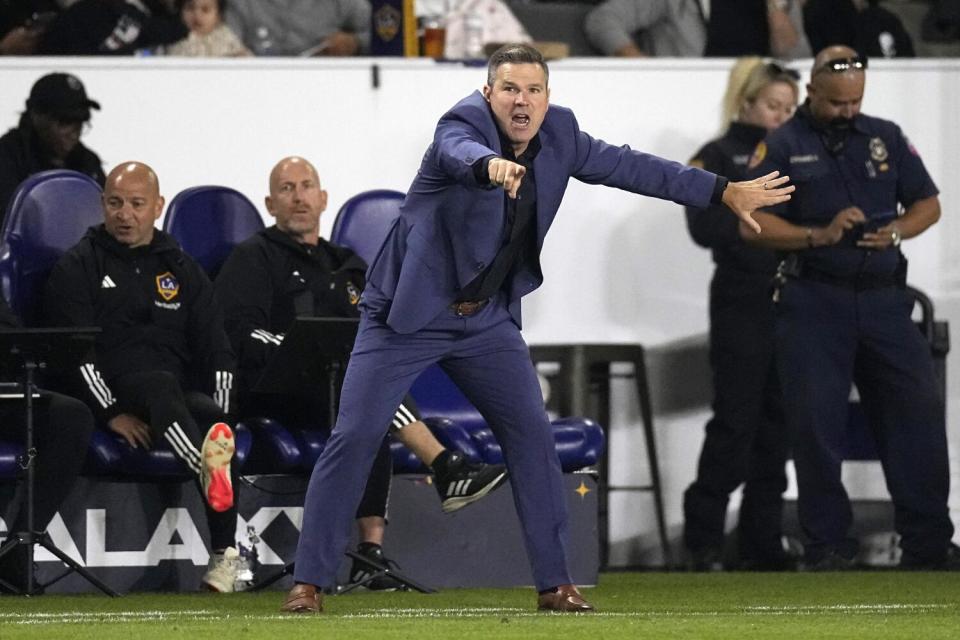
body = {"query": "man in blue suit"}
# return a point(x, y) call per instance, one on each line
point(446, 288)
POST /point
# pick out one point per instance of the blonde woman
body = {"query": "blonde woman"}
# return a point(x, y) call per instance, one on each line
point(745, 440)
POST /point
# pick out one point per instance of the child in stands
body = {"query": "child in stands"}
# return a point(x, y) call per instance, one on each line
point(209, 36)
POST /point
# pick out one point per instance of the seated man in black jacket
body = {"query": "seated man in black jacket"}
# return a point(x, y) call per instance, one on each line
point(61, 433)
point(162, 368)
point(289, 270)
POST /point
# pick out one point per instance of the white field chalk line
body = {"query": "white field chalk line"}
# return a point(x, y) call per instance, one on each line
point(79, 617)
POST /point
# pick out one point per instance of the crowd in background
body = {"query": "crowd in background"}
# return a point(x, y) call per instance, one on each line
point(781, 28)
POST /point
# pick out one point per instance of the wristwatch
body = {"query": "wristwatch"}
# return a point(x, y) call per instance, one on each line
point(895, 237)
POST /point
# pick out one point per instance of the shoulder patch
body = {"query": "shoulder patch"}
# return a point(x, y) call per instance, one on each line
point(910, 147)
point(758, 155)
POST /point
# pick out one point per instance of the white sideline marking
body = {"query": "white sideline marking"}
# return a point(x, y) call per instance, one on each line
point(478, 612)
point(81, 617)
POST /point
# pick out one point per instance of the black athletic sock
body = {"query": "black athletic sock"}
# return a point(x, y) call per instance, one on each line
point(440, 464)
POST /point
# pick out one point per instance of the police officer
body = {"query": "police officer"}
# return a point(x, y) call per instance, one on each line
point(843, 314)
point(745, 440)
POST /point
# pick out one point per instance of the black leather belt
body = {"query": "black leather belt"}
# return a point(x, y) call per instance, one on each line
point(467, 309)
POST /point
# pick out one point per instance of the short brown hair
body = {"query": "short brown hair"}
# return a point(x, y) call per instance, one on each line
point(515, 53)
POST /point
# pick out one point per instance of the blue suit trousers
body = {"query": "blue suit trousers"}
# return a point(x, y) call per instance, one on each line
point(486, 357)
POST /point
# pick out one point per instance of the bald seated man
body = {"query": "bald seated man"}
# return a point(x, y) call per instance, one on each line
point(161, 371)
point(844, 314)
point(286, 271)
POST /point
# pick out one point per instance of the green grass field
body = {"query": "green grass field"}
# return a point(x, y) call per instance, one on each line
point(631, 605)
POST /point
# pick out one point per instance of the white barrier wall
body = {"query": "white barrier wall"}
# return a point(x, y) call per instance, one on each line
point(619, 267)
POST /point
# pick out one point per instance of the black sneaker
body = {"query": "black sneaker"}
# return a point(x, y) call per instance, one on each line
point(464, 482)
point(949, 562)
point(832, 560)
point(360, 572)
point(708, 560)
point(777, 562)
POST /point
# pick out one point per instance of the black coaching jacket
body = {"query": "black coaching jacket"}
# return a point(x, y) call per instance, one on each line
point(157, 311)
point(271, 279)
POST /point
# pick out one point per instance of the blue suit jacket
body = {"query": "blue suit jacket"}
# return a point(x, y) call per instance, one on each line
point(450, 228)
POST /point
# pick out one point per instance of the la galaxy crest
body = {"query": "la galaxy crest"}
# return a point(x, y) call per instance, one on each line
point(353, 293)
point(386, 22)
point(168, 286)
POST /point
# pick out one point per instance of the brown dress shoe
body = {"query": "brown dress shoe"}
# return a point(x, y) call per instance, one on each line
point(303, 598)
point(565, 598)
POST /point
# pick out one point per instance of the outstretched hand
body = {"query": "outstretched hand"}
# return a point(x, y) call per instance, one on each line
point(505, 174)
point(743, 198)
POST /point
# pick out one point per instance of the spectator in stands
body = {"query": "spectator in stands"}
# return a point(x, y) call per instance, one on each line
point(209, 36)
point(942, 22)
point(162, 369)
point(764, 28)
point(287, 271)
point(61, 434)
point(23, 24)
point(113, 27)
point(302, 27)
point(48, 135)
point(746, 441)
point(470, 25)
point(681, 28)
point(860, 24)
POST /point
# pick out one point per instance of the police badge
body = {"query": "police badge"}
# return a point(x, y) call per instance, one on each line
point(878, 150)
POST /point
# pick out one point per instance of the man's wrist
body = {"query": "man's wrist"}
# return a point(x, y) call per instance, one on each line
point(481, 170)
point(719, 187)
point(896, 237)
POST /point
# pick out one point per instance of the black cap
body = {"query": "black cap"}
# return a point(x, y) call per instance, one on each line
point(62, 96)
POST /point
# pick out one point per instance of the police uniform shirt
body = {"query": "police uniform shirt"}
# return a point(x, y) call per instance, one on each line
point(714, 227)
point(873, 168)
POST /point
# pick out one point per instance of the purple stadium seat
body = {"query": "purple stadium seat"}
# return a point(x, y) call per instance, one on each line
point(9, 466)
point(111, 457)
point(49, 213)
point(209, 222)
point(274, 449)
